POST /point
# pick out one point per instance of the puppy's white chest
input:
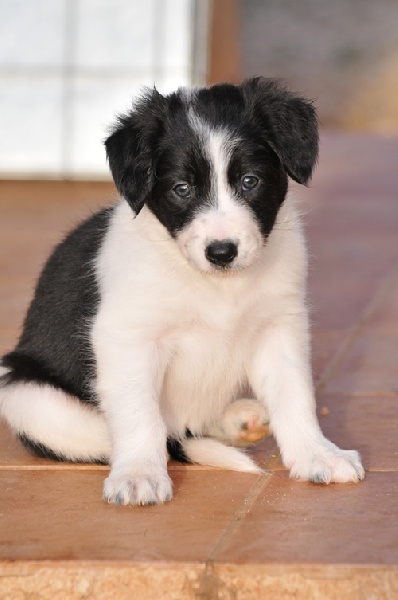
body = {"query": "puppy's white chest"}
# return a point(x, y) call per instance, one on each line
point(205, 371)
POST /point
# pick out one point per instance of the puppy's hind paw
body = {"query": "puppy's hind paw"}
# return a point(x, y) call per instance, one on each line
point(245, 422)
point(138, 488)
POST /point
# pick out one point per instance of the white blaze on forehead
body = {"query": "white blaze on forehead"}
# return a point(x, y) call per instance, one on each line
point(220, 150)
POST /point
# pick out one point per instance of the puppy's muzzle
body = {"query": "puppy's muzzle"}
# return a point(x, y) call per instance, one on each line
point(221, 253)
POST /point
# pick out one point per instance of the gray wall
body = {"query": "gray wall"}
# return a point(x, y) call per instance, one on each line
point(343, 53)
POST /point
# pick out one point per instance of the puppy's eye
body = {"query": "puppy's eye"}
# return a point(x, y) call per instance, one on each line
point(182, 190)
point(249, 182)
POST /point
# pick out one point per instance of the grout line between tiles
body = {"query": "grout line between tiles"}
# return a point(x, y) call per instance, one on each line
point(238, 517)
point(282, 469)
point(354, 331)
point(51, 467)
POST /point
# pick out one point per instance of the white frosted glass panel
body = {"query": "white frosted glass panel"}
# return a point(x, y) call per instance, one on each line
point(30, 124)
point(32, 32)
point(177, 34)
point(115, 33)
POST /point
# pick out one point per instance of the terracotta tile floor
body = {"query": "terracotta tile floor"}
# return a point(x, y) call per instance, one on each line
point(227, 535)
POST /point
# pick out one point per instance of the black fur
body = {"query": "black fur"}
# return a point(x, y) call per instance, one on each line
point(176, 450)
point(54, 347)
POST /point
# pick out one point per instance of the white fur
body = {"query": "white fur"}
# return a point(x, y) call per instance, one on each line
point(175, 342)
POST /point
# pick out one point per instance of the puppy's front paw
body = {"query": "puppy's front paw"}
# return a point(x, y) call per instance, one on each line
point(327, 463)
point(133, 487)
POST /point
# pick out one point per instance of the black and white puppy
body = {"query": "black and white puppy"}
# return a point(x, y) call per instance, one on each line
point(154, 318)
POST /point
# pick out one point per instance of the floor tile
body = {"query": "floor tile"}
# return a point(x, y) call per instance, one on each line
point(350, 217)
point(384, 318)
point(22, 256)
point(8, 337)
point(338, 301)
point(15, 296)
point(325, 344)
point(368, 367)
point(35, 216)
point(303, 523)
point(59, 515)
point(263, 452)
point(67, 197)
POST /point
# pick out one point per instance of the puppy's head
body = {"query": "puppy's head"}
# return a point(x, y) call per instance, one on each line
point(212, 165)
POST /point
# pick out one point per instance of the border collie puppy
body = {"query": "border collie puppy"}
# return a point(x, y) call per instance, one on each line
point(175, 321)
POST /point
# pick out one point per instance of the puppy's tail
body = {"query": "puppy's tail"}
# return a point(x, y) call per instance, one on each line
point(206, 451)
point(53, 425)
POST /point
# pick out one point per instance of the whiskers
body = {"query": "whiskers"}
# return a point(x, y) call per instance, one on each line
point(294, 218)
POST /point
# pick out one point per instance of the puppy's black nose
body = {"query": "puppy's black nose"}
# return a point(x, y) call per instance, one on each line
point(221, 253)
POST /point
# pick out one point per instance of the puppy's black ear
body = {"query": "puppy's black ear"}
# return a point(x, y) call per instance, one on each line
point(288, 123)
point(130, 148)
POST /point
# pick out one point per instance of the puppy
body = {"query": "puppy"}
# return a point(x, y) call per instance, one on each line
point(153, 319)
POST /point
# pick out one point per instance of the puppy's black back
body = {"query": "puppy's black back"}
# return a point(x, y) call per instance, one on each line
point(54, 346)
